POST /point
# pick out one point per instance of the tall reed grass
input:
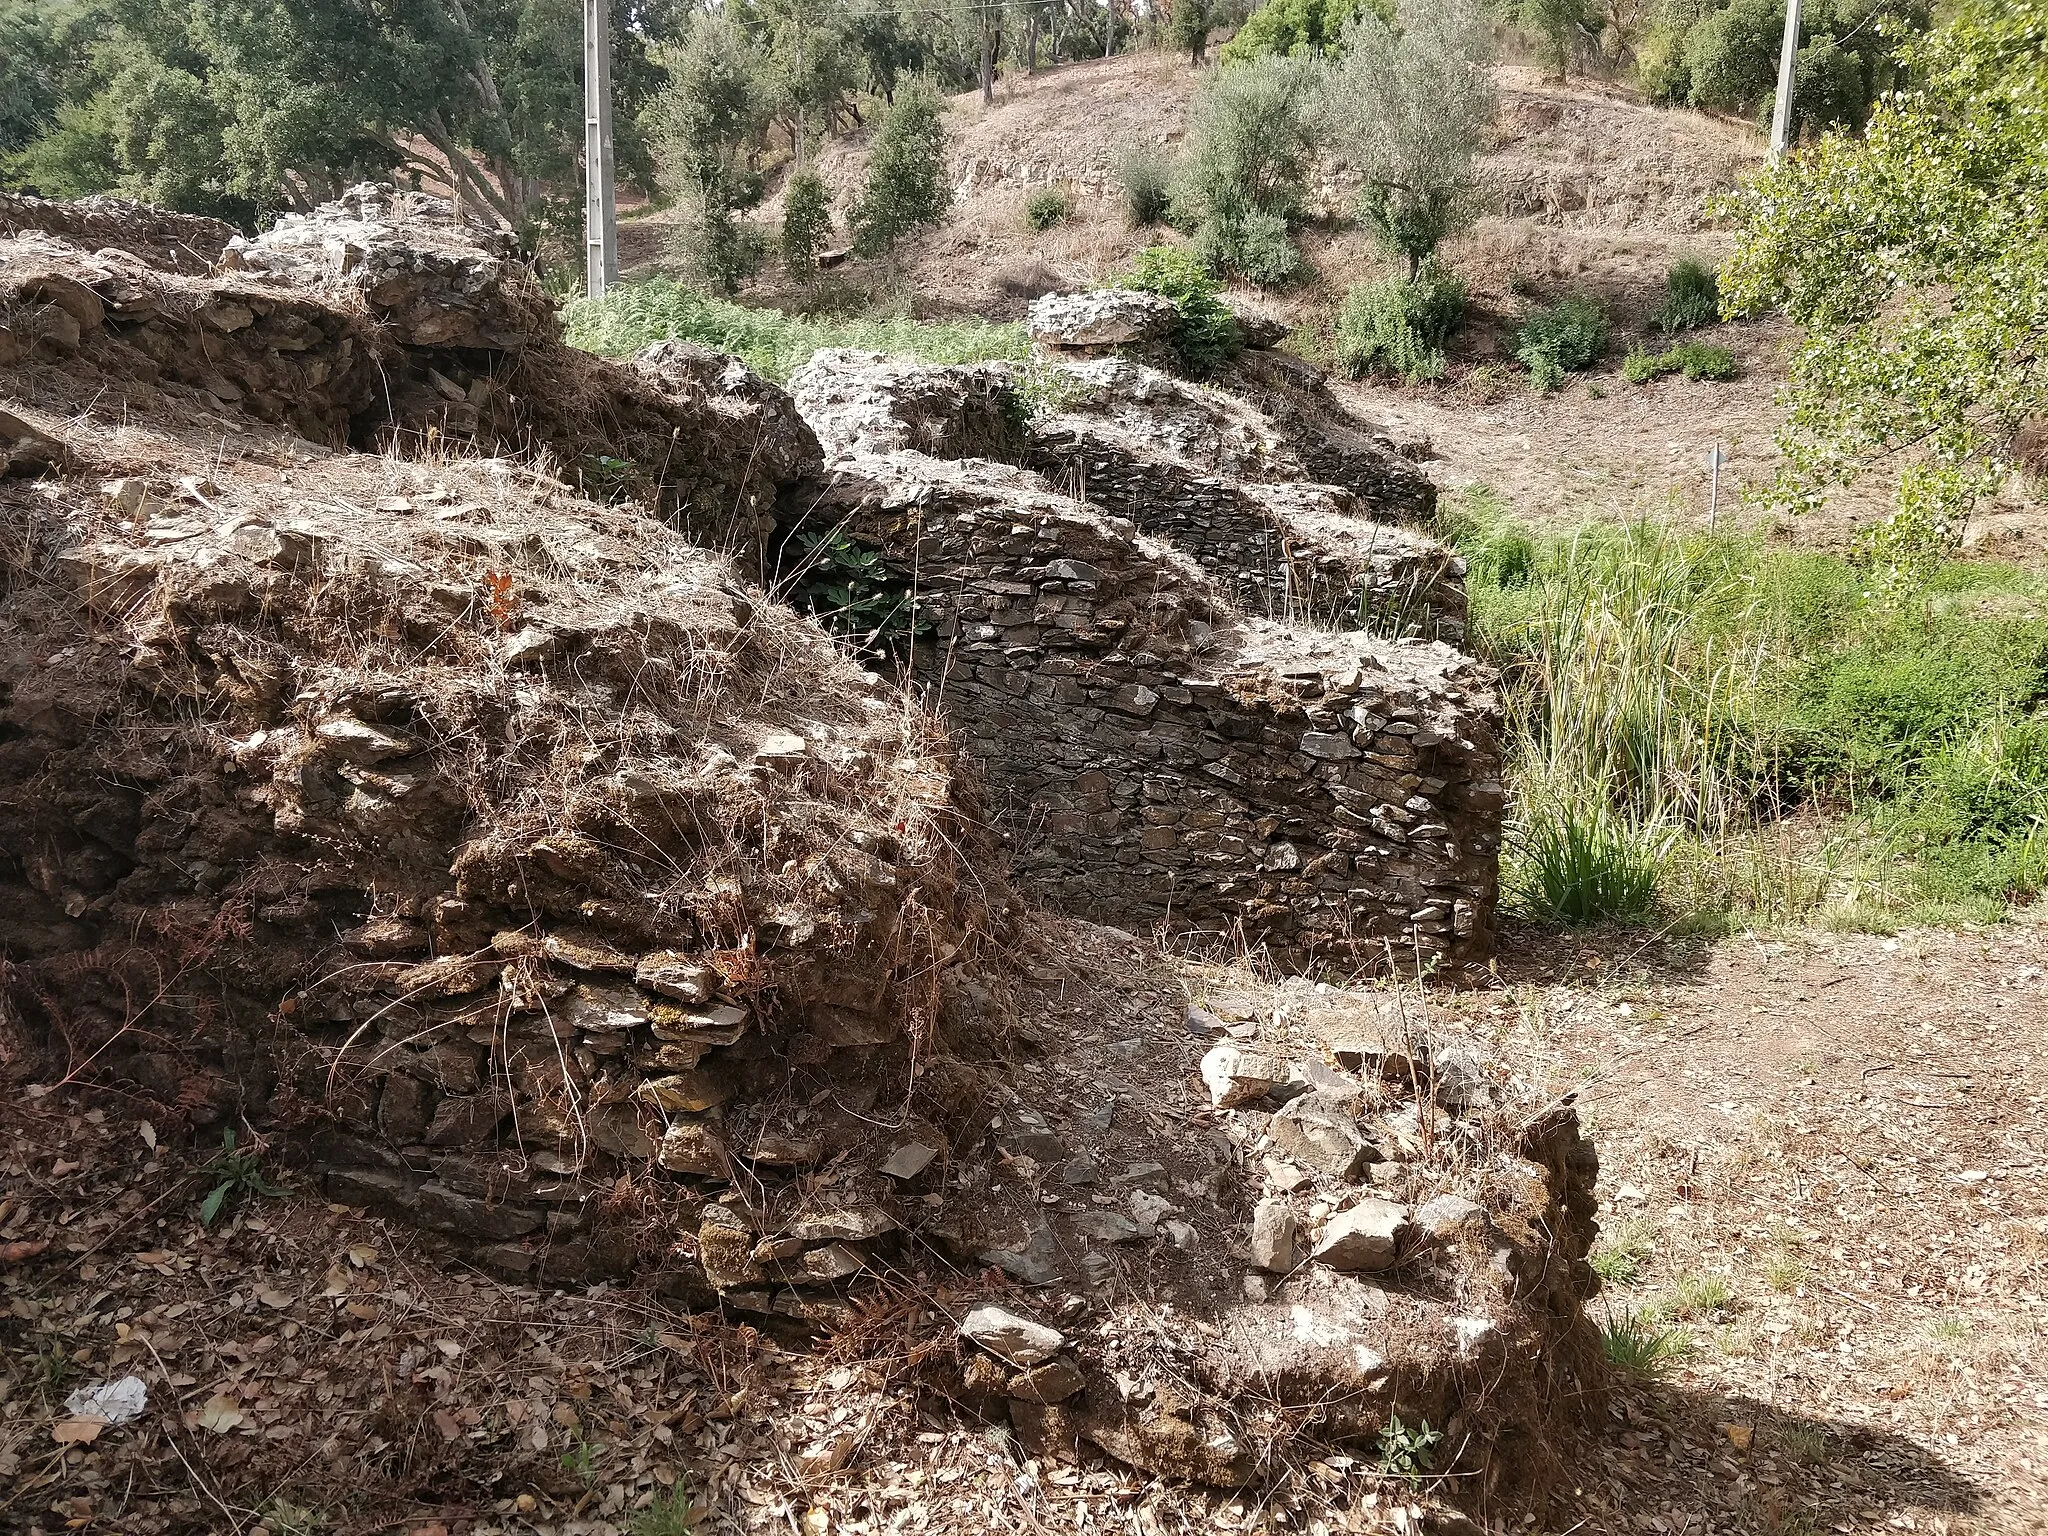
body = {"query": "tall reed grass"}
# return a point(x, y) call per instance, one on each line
point(1711, 730)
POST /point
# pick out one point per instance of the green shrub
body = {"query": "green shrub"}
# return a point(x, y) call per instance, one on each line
point(1254, 133)
point(1692, 298)
point(1694, 359)
point(1295, 27)
point(1208, 333)
point(906, 185)
point(1401, 324)
point(1047, 206)
point(635, 315)
point(1256, 245)
point(806, 225)
point(1147, 178)
point(1565, 338)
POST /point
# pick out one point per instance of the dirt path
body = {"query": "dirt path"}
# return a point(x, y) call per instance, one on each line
point(1826, 1156)
point(1831, 1156)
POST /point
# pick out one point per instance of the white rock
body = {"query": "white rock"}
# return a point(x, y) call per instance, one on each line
point(1106, 317)
point(1236, 1076)
point(1009, 1337)
point(1368, 1236)
point(1274, 1231)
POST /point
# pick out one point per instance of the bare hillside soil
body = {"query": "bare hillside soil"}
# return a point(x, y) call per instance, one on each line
point(1595, 192)
point(1845, 1133)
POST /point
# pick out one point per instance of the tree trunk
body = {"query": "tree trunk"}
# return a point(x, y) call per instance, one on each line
point(1031, 44)
point(1109, 33)
point(988, 61)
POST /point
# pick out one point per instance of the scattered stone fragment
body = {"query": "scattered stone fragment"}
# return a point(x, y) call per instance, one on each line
point(1285, 1176)
point(690, 1146)
point(1107, 1226)
point(860, 1224)
point(1079, 1171)
point(1147, 1209)
point(1035, 1264)
point(1366, 1237)
point(676, 975)
point(1204, 1025)
point(725, 1247)
point(1236, 1076)
point(909, 1160)
point(1321, 1133)
point(1474, 1334)
point(1274, 1234)
point(1053, 1382)
point(1007, 1336)
point(1448, 1217)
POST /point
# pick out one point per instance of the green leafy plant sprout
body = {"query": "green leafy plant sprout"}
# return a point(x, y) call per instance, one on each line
point(1636, 1343)
point(850, 589)
point(1208, 334)
point(672, 1513)
point(236, 1175)
point(1408, 1450)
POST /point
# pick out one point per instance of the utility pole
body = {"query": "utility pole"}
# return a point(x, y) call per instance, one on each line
point(1781, 113)
point(600, 204)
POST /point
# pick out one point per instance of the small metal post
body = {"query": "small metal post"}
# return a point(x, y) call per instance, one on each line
point(1781, 112)
point(1714, 461)
point(600, 204)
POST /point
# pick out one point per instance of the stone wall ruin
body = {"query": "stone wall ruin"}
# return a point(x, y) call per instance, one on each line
point(1164, 755)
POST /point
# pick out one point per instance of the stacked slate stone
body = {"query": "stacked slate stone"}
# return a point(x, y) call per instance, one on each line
point(1166, 756)
point(384, 319)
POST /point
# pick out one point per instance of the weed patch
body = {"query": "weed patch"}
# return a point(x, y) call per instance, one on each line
point(773, 344)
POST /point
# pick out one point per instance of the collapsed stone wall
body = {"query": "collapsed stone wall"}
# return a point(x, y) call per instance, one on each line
point(1208, 474)
point(386, 320)
point(189, 243)
point(1159, 757)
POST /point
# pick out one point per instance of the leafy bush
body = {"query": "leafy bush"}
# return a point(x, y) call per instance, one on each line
point(1565, 338)
point(806, 225)
point(1410, 108)
point(1147, 178)
point(1694, 359)
point(1208, 332)
point(1295, 27)
point(1408, 1450)
point(635, 315)
point(1047, 206)
point(1253, 136)
point(1401, 324)
point(1692, 298)
point(906, 185)
point(851, 589)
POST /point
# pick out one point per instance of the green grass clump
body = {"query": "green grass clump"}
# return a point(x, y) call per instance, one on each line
point(1401, 324)
point(1695, 359)
point(1708, 730)
point(1568, 337)
point(1637, 1343)
point(1701, 1296)
point(1621, 1255)
point(774, 344)
point(1692, 298)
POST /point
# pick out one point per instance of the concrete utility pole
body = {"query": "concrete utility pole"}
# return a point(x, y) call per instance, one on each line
point(600, 204)
point(1781, 113)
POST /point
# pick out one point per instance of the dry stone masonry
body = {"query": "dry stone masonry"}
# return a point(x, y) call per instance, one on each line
point(1163, 753)
point(516, 867)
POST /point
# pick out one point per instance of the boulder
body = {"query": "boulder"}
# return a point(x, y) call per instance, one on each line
point(1102, 317)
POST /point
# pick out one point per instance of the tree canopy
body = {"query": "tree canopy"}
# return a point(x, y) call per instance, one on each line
point(1916, 259)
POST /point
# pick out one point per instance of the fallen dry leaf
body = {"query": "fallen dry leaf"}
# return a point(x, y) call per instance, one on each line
point(78, 1431)
point(28, 1248)
point(1739, 1435)
point(220, 1414)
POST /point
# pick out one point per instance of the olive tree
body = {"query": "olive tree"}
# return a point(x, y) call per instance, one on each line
point(1914, 258)
point(1411, 105)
